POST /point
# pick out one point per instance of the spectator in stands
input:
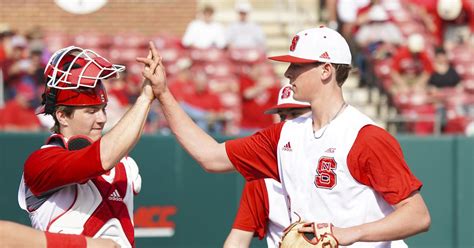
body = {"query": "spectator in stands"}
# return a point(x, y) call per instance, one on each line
point(411, 67)
point(5, 35)
point(16, 65)
point(444, 74)
point(244, 33)
point(448, 20)
point(258, 93)
point(455, 20)
point(204, 32)
point(195, 97)
point(182, 82)
point(376, 26)
point(18, 114)
point(347, 14)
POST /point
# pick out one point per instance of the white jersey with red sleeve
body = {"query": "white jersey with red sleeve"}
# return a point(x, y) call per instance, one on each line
point(68, 192)
point(348, 173)
point(263, 210)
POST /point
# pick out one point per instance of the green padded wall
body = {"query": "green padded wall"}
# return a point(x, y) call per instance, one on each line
point(187, 207)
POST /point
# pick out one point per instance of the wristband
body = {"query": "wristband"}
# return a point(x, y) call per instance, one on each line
point(56, 240)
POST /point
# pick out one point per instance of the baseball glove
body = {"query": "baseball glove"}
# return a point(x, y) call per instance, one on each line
point(323, 236)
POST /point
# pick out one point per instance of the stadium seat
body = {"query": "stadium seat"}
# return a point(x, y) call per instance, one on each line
point(92, 40)
point(247, 55)
point(208, 55)
point(130, 40)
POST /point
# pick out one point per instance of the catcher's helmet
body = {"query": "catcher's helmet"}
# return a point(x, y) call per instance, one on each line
point(73, 78)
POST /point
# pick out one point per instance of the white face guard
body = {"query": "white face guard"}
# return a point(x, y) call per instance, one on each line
point(73, 67)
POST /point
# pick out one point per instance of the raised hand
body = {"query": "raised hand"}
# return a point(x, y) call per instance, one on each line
point(147, 90)
point(154, 71)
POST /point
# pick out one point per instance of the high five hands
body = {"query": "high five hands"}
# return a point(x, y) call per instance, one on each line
point(154, 71)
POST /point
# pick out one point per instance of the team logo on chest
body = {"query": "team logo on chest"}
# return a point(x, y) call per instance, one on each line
point(326, 177)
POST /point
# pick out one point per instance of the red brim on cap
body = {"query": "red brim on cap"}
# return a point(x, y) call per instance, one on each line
point(276, 108)
point(291, 59)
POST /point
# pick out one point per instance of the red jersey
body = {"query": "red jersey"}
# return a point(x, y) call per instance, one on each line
point(263, 210)
point(405, 62)
point(253, 109)
point(15, 116)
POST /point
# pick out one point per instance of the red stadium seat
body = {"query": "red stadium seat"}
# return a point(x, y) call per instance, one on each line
point(382, 68)
point(208, 55)
point(127, 54)
point(56, 40)
point(166, 41)
point(247, 55)
point(222, 69)
point(130, 40)
point(92, 40)
point(422, 118)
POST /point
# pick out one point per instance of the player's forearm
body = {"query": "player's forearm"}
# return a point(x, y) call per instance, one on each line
point(16, 235)
point(238, 239)
point(125, 134)
point(202, 147)
point(409, 218)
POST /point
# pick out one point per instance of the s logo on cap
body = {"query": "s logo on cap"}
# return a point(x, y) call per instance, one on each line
point(286, 92)
point(294, 42)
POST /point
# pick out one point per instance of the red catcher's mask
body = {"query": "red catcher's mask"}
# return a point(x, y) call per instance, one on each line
point(74, 79)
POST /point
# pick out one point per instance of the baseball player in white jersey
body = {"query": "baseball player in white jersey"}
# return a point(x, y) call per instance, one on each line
point(263, 210)
point(81, 182)
point(336, 166)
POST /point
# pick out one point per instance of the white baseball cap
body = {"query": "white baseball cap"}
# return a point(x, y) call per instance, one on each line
point(317, 45)
point(244, 7)
point(377, 13)
point(449, 9)
point(416, 43)
point(286, 101)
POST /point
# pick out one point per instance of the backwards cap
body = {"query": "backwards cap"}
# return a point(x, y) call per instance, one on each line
point(74, 78)
point(286, 101)
point(317, 45)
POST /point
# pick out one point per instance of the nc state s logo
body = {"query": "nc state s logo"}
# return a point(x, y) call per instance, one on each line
point(286, 92)
point(326, 177)
point(294, 42)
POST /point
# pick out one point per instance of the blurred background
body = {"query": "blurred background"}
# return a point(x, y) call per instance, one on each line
point(413, 74)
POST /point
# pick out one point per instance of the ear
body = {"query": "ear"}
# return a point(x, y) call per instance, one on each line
point(326, 72)
point(62, 118)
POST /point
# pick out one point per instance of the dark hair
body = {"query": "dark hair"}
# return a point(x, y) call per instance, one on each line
point(68, 111)
point(439, 50)
point(208, 9)
point(342, 72)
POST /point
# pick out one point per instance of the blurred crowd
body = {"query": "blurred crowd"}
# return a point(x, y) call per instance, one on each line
point(420, 53)
point(218, 74)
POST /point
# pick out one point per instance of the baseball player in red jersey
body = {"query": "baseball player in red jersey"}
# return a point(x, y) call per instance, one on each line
point(336, 166)
point(81, 182)
point(263, 210)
